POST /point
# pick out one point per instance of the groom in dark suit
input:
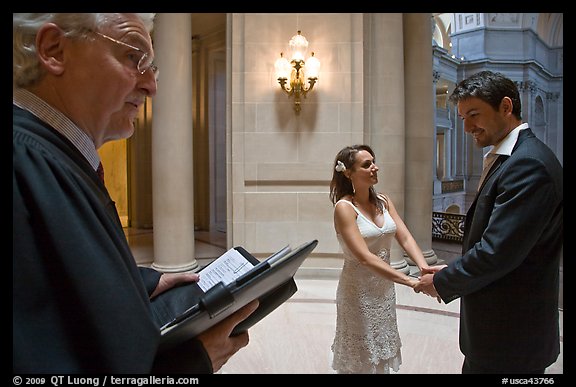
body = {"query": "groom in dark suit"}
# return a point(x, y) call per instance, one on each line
point(507, 278)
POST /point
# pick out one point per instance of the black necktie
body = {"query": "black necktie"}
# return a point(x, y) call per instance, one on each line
point(100, 172)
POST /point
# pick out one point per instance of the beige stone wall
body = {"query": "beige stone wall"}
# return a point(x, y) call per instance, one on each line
point(281, 161)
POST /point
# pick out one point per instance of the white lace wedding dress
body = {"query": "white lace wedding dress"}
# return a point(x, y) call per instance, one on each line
point(367, 338)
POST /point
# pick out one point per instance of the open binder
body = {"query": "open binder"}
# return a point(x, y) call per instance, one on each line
point(186, 311)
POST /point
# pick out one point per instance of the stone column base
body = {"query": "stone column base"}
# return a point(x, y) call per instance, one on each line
point(429, 256)
point(191, 266)
point(401, 265)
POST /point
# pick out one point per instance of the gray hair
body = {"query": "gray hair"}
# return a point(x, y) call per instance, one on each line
point(26, 69)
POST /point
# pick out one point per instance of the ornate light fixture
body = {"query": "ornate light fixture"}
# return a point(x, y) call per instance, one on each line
point(297, 70)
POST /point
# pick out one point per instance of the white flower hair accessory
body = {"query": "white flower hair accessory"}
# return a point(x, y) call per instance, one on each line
point(340, 167)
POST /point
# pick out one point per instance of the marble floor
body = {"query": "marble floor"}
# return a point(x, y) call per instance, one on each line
point(296, 337)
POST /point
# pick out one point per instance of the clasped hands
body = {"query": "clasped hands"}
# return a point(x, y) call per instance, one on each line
point(425, 281)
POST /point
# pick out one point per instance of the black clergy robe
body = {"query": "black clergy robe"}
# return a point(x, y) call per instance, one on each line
point(80, 302)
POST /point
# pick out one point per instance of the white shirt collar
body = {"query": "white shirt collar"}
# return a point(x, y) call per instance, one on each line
point(26, 100)
point(505, 146)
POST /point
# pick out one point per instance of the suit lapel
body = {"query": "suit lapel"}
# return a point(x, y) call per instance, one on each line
point(470, 214)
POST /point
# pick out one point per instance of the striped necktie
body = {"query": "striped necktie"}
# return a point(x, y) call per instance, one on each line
point(489, 159)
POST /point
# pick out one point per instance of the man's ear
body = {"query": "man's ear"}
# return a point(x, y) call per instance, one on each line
point(50, 48)
point(506, 105)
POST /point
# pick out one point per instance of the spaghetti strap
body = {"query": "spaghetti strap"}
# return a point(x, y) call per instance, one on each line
point(384, 198)
point(349, 202)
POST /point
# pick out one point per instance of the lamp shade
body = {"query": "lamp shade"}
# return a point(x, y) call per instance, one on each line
point(312, 67)
point(298, 47)
point(282, 67)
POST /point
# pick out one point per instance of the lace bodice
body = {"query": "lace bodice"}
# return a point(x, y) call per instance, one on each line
point(367, 338)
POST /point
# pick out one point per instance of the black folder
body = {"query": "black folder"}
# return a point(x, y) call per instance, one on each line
point(186, 311)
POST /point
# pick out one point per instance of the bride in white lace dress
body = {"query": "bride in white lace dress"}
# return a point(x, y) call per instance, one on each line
point(367, 338)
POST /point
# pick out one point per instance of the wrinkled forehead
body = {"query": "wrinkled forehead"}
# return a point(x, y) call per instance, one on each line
point(129, 29)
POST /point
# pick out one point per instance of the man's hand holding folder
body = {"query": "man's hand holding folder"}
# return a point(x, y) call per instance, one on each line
point(170, 280)
point(218, 341)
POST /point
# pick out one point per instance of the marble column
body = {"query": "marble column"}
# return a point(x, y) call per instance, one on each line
point(419, 130)
point(384, 109)
point(437, 179)
point(140, 164)
point(172, 161)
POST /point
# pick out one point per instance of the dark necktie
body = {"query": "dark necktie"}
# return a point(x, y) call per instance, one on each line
point(100, 172)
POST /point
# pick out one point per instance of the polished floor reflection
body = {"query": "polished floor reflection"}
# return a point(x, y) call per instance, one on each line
point(296, 337)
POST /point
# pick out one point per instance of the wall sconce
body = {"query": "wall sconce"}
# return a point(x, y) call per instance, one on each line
point(297, 70)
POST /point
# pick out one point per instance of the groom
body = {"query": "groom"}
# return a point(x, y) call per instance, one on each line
point(507, 278)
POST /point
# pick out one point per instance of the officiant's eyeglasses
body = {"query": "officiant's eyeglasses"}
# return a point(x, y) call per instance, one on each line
point(142, 60)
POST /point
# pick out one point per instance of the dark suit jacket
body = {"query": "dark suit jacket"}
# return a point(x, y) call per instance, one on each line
point(80, 303)
point(508, 276)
